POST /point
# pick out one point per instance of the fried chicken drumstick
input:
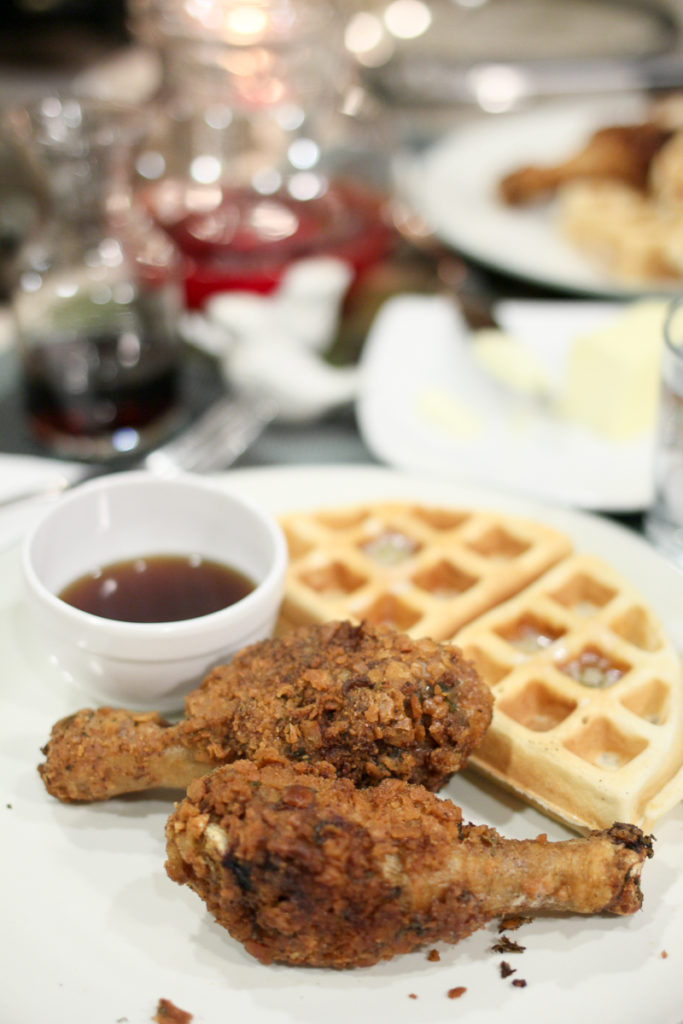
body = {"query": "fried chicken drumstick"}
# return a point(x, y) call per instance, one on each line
point(620, 152)
point(308, 870)
point(370, 701)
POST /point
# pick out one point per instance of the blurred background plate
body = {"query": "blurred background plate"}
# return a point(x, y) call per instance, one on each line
point(455, 51)
point(453, 187)
point(425, 406)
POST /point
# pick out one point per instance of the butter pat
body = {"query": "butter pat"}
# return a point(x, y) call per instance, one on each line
point(612, 380)
point(509, 362)
point(440, 408)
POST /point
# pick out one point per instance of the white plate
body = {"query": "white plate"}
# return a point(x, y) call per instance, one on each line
point(453, 187)
point(94, 932)
point(425, 405)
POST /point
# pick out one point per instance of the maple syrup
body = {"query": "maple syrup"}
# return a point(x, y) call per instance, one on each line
point(158, 588)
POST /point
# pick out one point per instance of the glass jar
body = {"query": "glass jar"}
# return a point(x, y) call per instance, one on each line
point(97, 288)
point(252, 164)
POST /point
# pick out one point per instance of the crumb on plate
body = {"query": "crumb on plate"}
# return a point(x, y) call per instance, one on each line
point(169, 1013)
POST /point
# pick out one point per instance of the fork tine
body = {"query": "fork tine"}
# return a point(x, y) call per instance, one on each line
point(251, 416)
point(227, 446)
point(216, 439)
point(220, 419)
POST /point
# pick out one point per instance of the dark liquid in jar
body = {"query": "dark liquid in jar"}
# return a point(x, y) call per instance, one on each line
point(79, 387)
point(158, 588)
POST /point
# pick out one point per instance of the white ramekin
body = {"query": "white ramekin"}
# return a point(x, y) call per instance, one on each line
point(131, 514)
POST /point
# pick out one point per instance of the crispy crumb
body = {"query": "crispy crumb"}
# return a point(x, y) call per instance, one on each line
point(412, 995)
point(455, 993)
point(434, 956)
point(664, 954)
point(519, 982)
point(169, 1013)
point(512, 923)
point(506, 970)
point(506, 945)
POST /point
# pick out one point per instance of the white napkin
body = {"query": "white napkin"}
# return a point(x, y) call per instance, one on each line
point(272, 345)
point(22, 475)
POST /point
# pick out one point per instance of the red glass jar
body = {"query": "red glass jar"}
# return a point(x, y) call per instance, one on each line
point(254, 161)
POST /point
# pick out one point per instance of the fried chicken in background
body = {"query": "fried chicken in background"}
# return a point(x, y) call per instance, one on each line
point(619, 197)
point(618, 152)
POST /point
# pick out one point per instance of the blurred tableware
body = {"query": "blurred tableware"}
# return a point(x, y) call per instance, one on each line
point(18, 210)
point(497, 54)
point(258, 141)
point(212, 442)
point(97, 288)
point(272, 347)
point(427, 404)
point(309, 299)
point(134, 516)
point(453, 188)
point(302, 386)
point(216, 439)
point(664, 520)
point(22, 477)
point(306, 305)
point(296, 384)
point(131, 74)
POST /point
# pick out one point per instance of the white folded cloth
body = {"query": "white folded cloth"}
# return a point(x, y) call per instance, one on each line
point(22, 476)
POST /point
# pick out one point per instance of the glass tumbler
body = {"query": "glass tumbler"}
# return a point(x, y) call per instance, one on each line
point(664, 520)
point(96, 288)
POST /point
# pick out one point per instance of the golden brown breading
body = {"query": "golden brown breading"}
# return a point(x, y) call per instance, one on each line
point(306, 869)
point(617, 153)
point(97, 754)
point(371, 701)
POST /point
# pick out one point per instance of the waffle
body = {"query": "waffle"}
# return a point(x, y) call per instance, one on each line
point(542, 624)
point(588, 719)
point(424, 570)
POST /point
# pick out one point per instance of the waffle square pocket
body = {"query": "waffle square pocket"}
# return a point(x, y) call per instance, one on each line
point(423, 570)
point(588, 714)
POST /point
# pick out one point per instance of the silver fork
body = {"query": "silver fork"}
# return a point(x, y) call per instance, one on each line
point(214, 441)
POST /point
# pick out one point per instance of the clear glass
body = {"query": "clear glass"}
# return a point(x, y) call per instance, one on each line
point(664, 521)
point(257, 157)
point(97, 288)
